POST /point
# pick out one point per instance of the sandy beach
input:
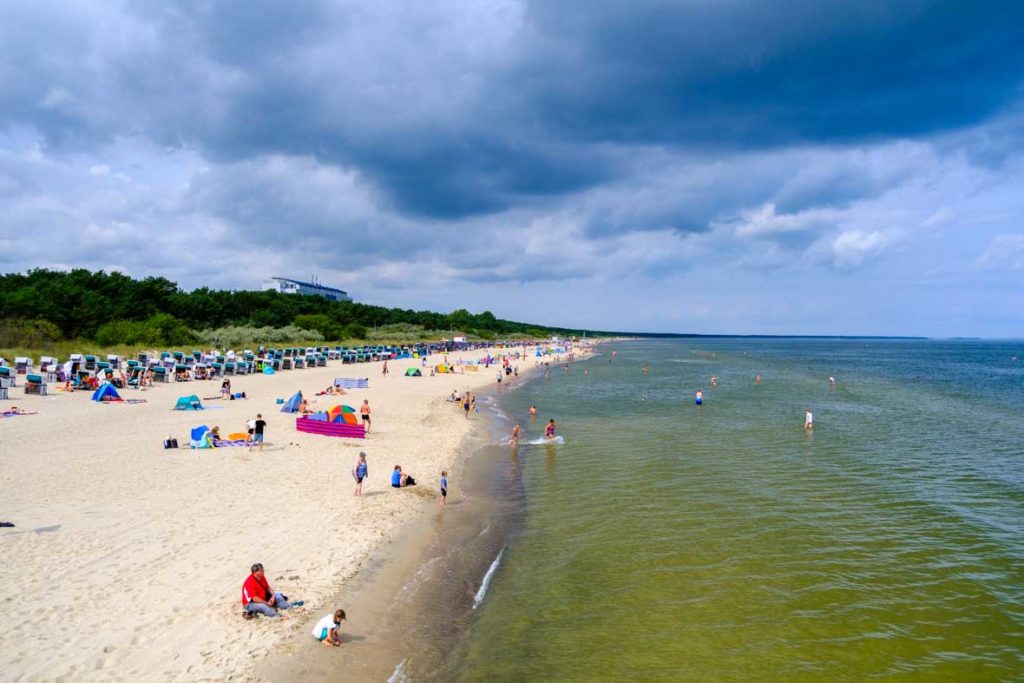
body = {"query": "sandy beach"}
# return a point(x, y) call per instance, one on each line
point(127, 559)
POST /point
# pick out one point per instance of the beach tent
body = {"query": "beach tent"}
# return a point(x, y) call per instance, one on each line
point(413, 372)
point(201, 438)
point(189, 403)
point(106, 392)
point(292, 404)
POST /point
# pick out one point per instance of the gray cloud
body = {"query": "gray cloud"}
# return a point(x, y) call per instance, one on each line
point(392, 146)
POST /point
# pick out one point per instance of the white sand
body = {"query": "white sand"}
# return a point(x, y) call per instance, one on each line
point(127, 560)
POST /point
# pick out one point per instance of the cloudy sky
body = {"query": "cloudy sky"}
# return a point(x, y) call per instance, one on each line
point(708, 166)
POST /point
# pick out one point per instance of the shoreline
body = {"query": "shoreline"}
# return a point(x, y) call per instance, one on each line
point(414, 586)
point(109, 523)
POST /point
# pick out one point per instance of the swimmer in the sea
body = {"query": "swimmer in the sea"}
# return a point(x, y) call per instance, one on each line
point(808, 419)
point(698, 398)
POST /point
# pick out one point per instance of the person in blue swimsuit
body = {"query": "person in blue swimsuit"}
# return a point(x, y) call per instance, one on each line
point(359, 472)
point(699, 398)
point(444, 487)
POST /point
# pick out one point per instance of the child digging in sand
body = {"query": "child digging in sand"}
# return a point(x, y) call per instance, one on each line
point(326, 630)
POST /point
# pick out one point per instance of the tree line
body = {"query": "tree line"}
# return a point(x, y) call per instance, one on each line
point(113, 308)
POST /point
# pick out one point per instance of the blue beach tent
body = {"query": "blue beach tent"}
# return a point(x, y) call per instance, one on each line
point(292, 404)
point(188, 403)
point(106, 392)
point(201, 438)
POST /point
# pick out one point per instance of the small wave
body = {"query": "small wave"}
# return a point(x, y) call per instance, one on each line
point(542, 441)
point(482, 593)
point(400, 674)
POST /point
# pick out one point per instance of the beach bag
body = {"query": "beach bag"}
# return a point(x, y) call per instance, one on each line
point(170, 443)
point(409, 481)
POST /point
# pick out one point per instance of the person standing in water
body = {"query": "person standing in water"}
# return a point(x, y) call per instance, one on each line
point(808, 419)
point(533, 412)
point(698, 398)
point(549, 430)
point(515, 436)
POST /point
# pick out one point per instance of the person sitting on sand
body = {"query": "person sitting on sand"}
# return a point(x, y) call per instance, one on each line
point(258, 598)
point(400, 479)
point(326, 630)
point(215, 434)
point(304, 406)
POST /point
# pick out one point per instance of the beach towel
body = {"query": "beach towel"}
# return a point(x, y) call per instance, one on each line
point(224, 443)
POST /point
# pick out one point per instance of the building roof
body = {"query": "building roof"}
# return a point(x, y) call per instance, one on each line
point(313, 285)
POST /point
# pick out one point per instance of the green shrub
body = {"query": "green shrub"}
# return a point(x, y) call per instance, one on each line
point(28, 333)
point(321, 323)
point(235, 336)
point(354, 331)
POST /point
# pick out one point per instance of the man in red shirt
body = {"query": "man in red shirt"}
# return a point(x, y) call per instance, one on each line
point(257, 596)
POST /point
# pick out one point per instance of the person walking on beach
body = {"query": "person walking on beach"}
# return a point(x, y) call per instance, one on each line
point(444, 487)
point(364, 410)
point(549, 430)
point(359, 472)
point(465, 404)
point(385, 371)
point(258, 425)
point(808, 419)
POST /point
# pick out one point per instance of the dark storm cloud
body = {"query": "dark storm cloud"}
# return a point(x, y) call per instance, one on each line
point(766, 73)
point(447, 127)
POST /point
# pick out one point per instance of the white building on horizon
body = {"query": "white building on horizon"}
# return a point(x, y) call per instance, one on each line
point(288, 286)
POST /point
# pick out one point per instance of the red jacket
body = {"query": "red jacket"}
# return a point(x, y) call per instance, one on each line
point(254, 587)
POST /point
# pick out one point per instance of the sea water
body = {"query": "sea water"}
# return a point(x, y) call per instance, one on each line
point(663, 540)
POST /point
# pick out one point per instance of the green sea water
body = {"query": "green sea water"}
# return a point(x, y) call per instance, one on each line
point(663, 541)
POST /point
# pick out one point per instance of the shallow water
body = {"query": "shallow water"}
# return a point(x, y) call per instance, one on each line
point(725, 542)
